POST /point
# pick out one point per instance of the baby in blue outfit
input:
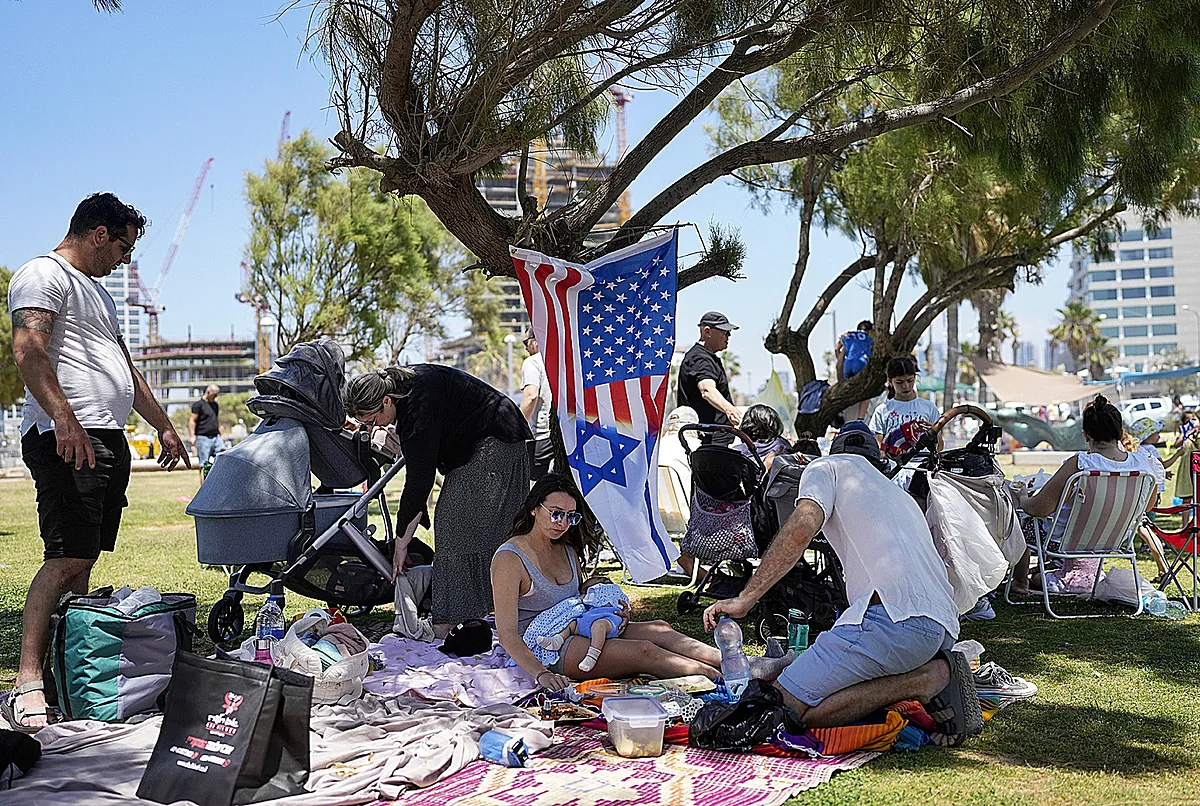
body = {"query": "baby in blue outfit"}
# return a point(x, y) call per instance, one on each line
point(599, 622)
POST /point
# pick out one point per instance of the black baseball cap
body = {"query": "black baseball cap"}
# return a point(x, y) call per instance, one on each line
point(718, 320)
point(529, 334)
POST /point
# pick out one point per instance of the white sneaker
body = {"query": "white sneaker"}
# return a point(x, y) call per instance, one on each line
point(992, 680)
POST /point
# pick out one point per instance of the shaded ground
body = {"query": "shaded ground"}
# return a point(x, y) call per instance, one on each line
point(1117, 719)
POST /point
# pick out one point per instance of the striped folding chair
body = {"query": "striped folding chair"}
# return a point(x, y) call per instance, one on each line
point(1097, 517)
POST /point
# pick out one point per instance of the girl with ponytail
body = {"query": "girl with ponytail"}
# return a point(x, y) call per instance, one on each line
point(902, 404)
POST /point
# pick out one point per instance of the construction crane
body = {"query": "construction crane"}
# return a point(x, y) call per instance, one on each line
point(620, 98)
point(148, 300)
point(262, 333)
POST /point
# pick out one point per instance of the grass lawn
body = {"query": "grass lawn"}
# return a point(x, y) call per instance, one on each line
point(1117, 719)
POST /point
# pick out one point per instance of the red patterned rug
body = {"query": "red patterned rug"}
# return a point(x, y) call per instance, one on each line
point(581, 769)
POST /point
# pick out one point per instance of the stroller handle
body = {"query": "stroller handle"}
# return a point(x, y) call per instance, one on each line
point(713, 428)
point(929, 440)
point(964, 409)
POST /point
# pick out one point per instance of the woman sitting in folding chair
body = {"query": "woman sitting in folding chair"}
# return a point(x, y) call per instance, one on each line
point(1102, 428)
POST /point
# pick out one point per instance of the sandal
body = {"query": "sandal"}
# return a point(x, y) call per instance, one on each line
point(16, 715)
point(955, 708)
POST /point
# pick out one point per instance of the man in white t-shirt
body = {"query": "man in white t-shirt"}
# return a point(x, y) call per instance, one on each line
point(536, 405)
point(893, 642)
point(80, 385)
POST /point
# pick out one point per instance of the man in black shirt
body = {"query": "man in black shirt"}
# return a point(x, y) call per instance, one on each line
point(702, 382)
point(205, 425)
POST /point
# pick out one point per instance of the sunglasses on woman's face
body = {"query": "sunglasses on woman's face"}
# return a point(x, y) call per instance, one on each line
point(559, 515)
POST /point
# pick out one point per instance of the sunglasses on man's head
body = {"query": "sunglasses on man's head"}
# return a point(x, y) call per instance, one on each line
point(559, 515)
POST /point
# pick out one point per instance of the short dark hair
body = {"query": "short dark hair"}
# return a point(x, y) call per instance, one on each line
point(866, 326)
point(1102, 420)
point(762, 423)
point(105, 210)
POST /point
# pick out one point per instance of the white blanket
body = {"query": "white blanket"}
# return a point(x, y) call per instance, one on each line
point(369, 750)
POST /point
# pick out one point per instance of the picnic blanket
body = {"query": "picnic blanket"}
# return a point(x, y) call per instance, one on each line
point(419, 669)
point(582, 769)
point(359, 753)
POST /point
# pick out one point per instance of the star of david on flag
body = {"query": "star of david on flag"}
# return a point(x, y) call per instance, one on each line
point(607, 332)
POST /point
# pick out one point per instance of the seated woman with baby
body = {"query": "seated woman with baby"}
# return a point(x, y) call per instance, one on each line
point(560, 627)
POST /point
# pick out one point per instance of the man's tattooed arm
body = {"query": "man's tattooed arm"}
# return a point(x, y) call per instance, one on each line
point(33, 319)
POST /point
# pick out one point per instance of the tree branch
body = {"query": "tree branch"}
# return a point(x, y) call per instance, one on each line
point(739, 64)
point(830, 141)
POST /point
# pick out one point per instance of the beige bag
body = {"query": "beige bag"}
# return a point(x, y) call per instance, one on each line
point(342, 682)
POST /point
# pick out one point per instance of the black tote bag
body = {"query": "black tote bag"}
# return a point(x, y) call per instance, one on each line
point(234, 732)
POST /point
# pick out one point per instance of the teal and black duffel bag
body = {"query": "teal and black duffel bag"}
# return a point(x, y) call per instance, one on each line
point(109, 665)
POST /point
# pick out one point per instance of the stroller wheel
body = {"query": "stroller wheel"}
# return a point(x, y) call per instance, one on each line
point(225, 621)
point(770, 624)
point(356, 611)
point(686, 603)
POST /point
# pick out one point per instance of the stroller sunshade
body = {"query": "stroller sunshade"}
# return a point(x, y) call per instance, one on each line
point(723, 473)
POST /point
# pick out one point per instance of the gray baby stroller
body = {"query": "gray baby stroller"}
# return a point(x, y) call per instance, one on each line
point(257, 511)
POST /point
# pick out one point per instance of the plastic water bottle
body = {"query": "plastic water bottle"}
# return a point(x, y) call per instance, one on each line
point(735, 668)
point(269, 621)
point(797, 631)
point(1157, 604)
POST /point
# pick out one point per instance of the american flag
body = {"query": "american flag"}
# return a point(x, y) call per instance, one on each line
point(607, 332)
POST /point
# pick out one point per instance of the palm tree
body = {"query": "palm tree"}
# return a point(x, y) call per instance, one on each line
point(966, 370)
point(1006, 323)
point(1100, 355)
point(1079, 326)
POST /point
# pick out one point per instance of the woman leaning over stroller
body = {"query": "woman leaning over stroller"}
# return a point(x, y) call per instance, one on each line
point(450, 421)
point(541, 565)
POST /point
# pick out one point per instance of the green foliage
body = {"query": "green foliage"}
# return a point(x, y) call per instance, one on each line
point(12, 388)
point(1176, 358)
point(233, 408)
point(335, 256)
point(1078, 330)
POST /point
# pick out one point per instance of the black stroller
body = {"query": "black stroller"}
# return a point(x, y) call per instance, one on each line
point(736, 510)
point(258, 513)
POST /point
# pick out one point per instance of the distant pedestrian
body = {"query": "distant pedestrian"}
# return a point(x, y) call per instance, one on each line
point(205, 426)
point(80, 385)
point(703, 385)
point(536, 406)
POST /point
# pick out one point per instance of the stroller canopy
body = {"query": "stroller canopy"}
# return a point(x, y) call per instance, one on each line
point(306, 385)
point(267, 473)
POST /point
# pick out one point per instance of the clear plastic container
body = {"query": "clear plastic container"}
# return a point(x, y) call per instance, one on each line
point(635, 725)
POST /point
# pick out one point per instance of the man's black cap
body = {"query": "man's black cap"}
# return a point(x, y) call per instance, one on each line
point(718, 320)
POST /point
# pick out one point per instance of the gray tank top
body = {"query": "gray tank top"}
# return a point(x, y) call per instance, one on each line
point(543, 593)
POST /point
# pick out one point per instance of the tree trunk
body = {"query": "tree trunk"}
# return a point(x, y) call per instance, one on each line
point(987, 303)
point(951, 378)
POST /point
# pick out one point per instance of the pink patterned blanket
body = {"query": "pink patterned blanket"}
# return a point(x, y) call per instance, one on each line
point(581, 769)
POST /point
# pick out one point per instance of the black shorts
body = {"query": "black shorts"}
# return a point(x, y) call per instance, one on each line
point(79, 511)
point(541, 458)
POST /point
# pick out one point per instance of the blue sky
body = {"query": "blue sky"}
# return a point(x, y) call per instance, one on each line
point(135, 102)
